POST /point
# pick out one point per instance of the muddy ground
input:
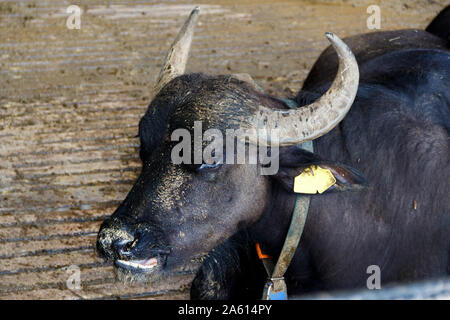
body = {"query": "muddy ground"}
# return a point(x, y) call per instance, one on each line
point(70, 102)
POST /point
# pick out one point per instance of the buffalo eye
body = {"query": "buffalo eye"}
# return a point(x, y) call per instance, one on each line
point(209, 164)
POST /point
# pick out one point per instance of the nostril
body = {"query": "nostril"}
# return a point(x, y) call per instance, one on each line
point(122, 247)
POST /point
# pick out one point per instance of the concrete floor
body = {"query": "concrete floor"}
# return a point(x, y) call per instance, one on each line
point(70, 102)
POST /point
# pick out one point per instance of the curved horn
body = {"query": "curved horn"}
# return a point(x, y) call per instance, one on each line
point(176, 59)
point(314, 120)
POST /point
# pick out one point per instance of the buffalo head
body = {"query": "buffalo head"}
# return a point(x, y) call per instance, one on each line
point(176, 213)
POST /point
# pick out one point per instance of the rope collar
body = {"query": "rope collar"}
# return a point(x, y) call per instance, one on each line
point(275, 287)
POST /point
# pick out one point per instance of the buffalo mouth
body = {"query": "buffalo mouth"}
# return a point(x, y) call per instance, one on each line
point(154, 270)
point(142, 265)
point(140, 270)
point(138, 265)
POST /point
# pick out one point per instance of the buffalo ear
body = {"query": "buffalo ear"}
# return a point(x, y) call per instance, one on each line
point(313, 175)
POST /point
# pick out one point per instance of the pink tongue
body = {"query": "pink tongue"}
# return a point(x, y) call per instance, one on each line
point(151, 262)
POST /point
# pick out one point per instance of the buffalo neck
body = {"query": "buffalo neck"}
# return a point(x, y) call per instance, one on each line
point(271, 229)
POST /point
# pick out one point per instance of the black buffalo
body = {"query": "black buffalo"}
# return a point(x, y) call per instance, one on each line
point(395, 208)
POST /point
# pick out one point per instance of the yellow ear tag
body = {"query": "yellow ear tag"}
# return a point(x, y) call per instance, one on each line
point(313, 179)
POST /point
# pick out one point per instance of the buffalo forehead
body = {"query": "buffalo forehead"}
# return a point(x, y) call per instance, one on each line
point(219, 102)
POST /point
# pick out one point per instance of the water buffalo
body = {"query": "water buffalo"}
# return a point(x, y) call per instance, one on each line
point(388, 153)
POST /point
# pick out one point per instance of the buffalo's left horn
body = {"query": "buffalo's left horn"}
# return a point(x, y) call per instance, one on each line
point(176, 59)
point(312, 121)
